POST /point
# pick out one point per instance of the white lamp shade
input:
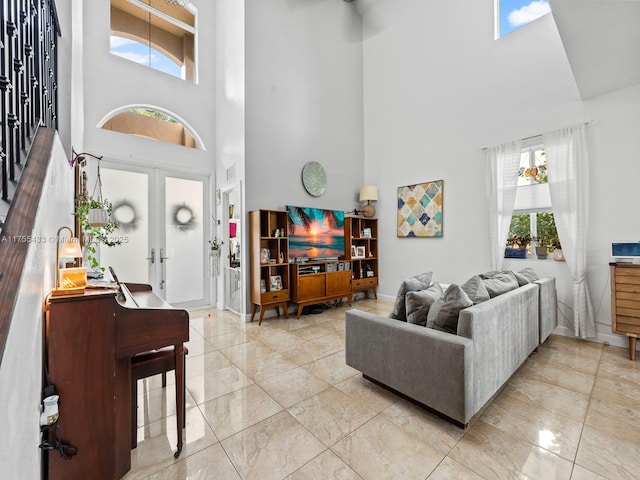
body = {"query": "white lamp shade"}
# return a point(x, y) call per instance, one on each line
point(70, 248)
point(369, 193)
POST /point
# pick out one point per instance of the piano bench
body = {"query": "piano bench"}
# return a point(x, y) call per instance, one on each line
point(147, 364)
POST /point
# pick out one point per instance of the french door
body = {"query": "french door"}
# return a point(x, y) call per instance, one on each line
point(163, 218)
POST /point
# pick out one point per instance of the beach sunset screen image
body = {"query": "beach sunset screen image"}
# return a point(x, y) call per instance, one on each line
point(315, 233)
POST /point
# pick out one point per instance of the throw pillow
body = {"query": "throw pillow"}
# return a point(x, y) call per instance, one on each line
point(529, 274)
point(500, 283)
point(419, 282)
point(475, 289)
point(443, 314)
point(419, 302)
point(489, 274)
point(522, 280)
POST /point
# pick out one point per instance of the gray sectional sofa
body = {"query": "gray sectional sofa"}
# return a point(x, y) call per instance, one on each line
point(454, 374)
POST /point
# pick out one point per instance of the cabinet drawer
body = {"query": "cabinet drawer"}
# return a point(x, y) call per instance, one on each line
point(365, 283)
point(278, 295)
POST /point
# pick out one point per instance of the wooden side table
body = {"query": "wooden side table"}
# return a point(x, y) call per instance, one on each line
point(625, 302)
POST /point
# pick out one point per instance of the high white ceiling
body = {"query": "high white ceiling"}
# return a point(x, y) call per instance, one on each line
point(602, 42)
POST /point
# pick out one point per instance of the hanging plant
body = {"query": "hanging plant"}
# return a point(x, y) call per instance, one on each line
point(94, 234)
point(94, 214)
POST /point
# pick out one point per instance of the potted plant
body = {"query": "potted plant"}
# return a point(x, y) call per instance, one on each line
point(547, 234)
point(216, 243)
point(94, 233)
point(519, 237)
point(215, 246)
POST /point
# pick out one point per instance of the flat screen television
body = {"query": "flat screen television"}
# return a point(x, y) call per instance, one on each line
point(315, 233)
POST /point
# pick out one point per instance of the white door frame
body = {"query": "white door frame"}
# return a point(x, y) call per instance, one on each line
point(224, 223)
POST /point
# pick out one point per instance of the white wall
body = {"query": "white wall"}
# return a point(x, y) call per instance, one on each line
point(303, 93)
point(21, 368)
point(230, 118)
point(303, 103)
point(111, 82)
point(438, 89)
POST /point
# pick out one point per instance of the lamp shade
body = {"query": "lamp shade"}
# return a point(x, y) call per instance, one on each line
point(369, 193)
point(70, 248)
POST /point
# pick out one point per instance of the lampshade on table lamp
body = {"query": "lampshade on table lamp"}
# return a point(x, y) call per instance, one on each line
point(368, 193)
point(69, 281)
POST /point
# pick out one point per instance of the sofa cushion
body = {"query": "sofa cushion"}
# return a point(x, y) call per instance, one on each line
point(419, 282)
point(522, 280)
point(443, 314)
point(500, 283)
point(529, 274)
point(475, 289)
point(418, 303)
point(489, 274)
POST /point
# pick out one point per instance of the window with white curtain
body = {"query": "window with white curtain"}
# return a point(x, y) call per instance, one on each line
point(532, 214)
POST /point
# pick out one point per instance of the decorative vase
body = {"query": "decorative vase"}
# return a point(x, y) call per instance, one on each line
point(558, 255)
point(541, 253)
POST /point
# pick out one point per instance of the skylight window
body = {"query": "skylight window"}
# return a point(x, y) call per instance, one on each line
point(513, 14)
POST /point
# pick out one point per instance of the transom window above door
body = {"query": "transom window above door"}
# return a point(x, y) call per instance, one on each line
point(149, 122)
point(156, 34)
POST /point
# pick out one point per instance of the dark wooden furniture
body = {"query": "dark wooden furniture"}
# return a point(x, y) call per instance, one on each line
point(361, 235)
point(89, 341)
point(269, 257)
point(147, 364)
point(625, 302)
point(318, 282)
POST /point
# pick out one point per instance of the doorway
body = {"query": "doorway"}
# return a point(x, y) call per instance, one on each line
point(233, 261)
point(163, 216)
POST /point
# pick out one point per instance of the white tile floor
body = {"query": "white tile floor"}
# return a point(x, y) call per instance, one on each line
point(278, 402)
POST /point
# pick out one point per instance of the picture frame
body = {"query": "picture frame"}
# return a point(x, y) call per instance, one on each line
point(276, 283)
point(360, 251)
point(263, 286)
point(265, 255)
point(354, 251)
point(420, 212)
point(366, 233)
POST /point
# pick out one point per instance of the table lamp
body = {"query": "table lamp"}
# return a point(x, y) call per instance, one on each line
point(69, 281)
point(368, 193)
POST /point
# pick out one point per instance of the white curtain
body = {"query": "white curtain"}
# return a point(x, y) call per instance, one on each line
point(503, 162)
point(568, 173)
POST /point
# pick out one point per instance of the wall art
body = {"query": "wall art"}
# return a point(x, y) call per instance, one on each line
point(420, 210)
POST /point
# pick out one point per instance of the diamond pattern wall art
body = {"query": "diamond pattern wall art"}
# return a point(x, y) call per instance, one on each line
point(420, 210)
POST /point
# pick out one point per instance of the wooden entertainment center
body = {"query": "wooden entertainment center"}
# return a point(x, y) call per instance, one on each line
point(309, 282)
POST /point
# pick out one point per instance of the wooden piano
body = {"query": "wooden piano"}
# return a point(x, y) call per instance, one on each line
point(89, 341)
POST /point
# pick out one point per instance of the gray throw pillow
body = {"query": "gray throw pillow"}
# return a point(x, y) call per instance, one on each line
point(489, 274)
point(418, 303)
point(443, 314)
point(529, 274)
point(475, 289)
point(413, 284)
point(522, 280)
point(500, 283)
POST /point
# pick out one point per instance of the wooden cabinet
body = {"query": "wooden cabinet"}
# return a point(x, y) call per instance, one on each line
point(625, 302)
point(317, 282)
point(269, 252)
point(361, 240)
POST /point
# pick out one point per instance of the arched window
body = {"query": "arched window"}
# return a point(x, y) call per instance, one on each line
point(156, 34)
point(152, 122)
